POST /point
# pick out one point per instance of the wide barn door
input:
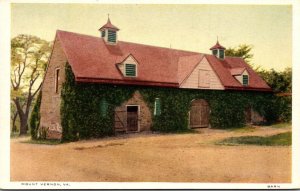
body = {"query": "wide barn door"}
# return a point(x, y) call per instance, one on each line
point(199, 114)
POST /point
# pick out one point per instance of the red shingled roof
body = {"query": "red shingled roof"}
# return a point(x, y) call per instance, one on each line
point(92, 60)
point(237, 71)
point(217, 46)
point(223, 69)
point(109, 25)
point(186, 64)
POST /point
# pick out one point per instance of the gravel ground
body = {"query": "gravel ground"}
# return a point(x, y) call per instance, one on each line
point(148, 157)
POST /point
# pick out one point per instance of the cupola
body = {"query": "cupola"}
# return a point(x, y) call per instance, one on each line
point(218, 50)
point(109, 32)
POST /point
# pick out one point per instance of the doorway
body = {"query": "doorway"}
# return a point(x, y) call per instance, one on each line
point(199, 114)
point(132, 118)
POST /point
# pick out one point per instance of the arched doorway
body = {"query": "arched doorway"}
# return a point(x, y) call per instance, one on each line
point(199, 114)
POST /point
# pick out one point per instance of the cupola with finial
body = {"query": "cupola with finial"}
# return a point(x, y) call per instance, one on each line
point(218, 50)
point(109, 32)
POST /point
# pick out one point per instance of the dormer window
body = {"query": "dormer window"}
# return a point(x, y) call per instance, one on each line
point(130, 70)
point(112, 36)
point(245, 80)
point(128, 65)
point(241, 74)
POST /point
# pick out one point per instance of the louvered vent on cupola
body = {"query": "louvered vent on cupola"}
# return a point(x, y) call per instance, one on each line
point(109, 32)
point(218, 51)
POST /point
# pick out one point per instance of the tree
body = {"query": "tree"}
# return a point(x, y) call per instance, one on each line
point(29, 55)
point(242, 51)
point(279, 81)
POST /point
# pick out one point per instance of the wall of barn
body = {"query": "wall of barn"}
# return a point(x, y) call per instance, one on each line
point(144, 114)
point(50, 104)
point(195, 81)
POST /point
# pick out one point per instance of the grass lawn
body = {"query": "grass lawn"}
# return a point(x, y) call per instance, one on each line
point(281, 125)
point(282, 139)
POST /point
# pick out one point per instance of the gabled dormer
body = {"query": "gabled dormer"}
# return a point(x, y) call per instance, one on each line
point(128, 66)
point(241, 74)
point(109, 32)
point(218, 50)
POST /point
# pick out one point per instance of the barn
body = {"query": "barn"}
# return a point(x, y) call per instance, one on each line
point(108, 62)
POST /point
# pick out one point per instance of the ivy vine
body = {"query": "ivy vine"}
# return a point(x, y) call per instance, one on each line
point(82, 116)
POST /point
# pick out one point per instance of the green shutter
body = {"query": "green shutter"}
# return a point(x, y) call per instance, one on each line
point(215, 52)
point(111, 36)
point(130, 70)
point(157, 107)
point(103, 33)
point(221, 54)
point(245, 80)
point(103, 107)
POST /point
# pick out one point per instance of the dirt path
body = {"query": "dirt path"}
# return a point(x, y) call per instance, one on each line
point(154, 158)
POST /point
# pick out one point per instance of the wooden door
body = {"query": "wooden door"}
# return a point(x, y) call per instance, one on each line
point(199, 114)
point(132, 118)
point(120, 120)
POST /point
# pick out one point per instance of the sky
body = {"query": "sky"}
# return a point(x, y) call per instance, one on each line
point(193, 27)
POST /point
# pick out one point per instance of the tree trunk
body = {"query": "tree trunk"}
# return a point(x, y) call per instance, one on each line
point(23, 115)
point(14, 127)
point(23, 125)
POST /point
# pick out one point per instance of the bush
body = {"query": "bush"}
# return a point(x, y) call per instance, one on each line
point(35, 117)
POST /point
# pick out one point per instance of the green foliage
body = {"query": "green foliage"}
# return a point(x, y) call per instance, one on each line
point(281, 125)
point(282, 139)
point(278, 81)
point(35, 117)
point(82, 115)
point(81, 111)
point(29, 57)
point(243, 51)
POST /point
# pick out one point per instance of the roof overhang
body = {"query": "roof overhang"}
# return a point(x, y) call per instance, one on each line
point(247, 88)
point(125, 82)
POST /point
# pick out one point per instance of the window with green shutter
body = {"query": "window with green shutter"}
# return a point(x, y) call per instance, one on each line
point(221, 54)
point(157, 107)
point(103, 33)
point(112, 36)
point(130, 70)
point(245, 80)
point(103, 107)
point(215, 52)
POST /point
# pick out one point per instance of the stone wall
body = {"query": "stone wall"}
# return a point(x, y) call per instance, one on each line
point(144, 114)
point(50, 104)
point(256, 118)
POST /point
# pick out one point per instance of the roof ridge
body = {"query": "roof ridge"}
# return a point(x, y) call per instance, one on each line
point(188, 51)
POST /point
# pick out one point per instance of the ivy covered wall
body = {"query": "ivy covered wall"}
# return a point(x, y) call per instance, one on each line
point(83, 116)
